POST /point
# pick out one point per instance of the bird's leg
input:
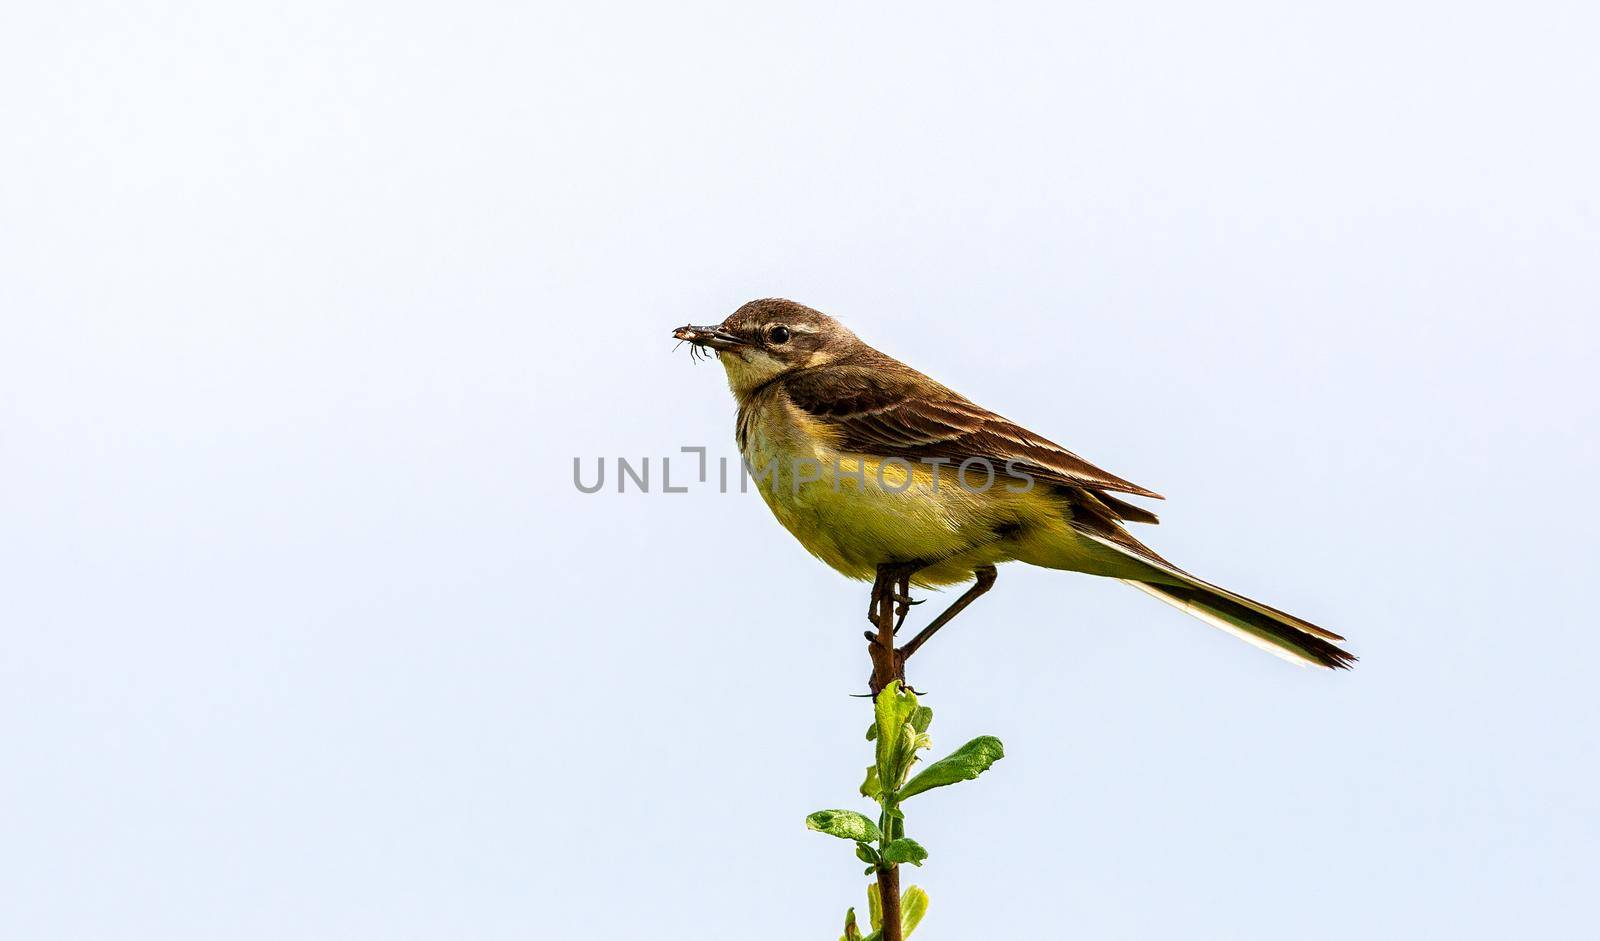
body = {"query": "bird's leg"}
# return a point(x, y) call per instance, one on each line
point(986, 576)
point(882, 585)
point(892, 587)
point(903, 600)
point(882, 588)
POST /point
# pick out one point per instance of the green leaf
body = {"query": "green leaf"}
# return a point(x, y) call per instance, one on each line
point(896, 739)
point(872, 787)
point(913, 905)
point(921, 718)
point(904, 851)
point(844, 824)
point(875, 907)
point(963, 764)
point(867, 854)
point(886, 719)
point(908, 745)
point(851, 932)
point(872, 731)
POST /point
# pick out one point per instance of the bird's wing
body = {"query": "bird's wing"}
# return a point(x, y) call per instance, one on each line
point(897, 412)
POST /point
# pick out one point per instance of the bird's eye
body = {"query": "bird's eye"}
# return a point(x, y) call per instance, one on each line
point(778, 335)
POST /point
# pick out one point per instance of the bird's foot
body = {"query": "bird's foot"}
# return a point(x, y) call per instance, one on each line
point(903, 605)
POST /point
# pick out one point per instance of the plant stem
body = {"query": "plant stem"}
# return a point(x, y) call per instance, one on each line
point(889, 896)
point(887, 666)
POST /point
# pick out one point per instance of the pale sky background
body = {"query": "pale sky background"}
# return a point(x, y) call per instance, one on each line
point(306, 308)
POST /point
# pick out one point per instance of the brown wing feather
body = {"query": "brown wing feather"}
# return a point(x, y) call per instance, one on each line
point(1126, 510)
point(880, 406)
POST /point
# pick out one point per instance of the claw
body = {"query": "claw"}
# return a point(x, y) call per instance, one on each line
point(903, 608)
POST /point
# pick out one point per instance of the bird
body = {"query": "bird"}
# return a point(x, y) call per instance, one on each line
point(885, 474)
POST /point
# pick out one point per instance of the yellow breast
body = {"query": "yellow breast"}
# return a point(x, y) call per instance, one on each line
point(856, 511)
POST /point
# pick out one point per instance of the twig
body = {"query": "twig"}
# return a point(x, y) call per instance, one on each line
point(888, 665)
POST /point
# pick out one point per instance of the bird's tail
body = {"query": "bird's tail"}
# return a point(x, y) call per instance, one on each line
point(1268, 628)
point(1294, 639)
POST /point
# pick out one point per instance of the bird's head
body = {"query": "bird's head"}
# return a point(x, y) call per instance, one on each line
point(765, 339)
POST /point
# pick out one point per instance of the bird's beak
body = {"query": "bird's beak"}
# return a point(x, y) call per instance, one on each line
point(714, 337)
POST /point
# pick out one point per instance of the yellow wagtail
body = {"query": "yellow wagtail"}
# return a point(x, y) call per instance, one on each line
point(885, 474)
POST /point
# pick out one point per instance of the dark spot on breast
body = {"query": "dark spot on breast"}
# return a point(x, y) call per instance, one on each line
point(1008, 531)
